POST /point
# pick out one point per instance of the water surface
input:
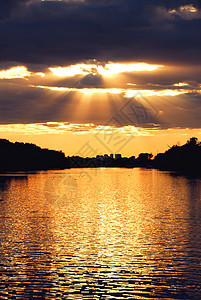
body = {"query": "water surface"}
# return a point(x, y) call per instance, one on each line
point(100, 234)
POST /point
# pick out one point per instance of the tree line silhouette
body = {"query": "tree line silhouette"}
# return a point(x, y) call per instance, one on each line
point(185, 158)
point(27, 157)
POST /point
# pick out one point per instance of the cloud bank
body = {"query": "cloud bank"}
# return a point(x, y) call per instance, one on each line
point(65, 32)
point(39, 37)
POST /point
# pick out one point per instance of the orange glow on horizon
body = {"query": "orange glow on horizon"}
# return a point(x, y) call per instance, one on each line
point(70, 138)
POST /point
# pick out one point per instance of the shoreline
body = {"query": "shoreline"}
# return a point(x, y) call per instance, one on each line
point(27, 172)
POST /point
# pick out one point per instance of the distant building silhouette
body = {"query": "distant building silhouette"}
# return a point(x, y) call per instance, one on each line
point(27, 157)
point(100, 157)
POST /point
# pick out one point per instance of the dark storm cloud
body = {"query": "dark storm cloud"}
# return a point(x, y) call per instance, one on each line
point(7, 6)
point(21, 104)
point(60, 33)
point(180, 111)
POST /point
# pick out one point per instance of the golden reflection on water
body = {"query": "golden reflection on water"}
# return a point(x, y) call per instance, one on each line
point(126, 234)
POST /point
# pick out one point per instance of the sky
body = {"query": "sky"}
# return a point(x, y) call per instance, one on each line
point(93, 77)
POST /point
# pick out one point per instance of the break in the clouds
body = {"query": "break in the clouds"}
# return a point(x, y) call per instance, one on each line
point(81, 62)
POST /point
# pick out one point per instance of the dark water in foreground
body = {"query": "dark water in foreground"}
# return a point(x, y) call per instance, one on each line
point(100, 234)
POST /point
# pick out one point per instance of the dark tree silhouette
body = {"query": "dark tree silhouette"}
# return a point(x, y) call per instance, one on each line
point(24, 156)
point(193, 141)
point(144, 159)
point(185, 158)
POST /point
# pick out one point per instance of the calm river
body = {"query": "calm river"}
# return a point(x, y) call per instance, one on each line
point(100, 234)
